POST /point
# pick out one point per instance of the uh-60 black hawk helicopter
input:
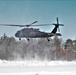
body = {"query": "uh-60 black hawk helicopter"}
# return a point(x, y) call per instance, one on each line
point(35, 33)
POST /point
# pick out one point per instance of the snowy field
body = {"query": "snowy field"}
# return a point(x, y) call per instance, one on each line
point(37, 68)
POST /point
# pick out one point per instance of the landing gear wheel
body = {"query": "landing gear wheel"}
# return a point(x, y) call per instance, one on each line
point(20, 39)
point(28, 39)
point(48, 39)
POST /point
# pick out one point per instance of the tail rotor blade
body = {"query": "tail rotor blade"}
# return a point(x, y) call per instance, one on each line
point(58, 29)
point(57, 21)
point(61, 24)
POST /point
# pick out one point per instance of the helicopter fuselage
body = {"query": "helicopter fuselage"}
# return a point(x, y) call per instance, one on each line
point(31, 33)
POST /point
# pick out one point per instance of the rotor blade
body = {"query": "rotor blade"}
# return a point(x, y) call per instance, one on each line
point(37, 25)
point(11, 25)
point(29, 25)
point(17, 25)
point(23, 25)
point(33, 22)
point(42, 25)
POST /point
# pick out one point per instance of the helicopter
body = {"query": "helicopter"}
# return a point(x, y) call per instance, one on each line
point(35, 33)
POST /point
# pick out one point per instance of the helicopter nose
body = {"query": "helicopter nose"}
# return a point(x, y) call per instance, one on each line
point(16, 34)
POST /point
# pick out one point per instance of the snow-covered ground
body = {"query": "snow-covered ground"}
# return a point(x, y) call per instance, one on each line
point(37, 68)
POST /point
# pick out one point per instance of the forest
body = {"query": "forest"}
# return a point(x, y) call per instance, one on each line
point(37, 49)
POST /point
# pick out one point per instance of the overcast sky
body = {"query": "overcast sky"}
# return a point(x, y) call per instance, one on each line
point(43, 11)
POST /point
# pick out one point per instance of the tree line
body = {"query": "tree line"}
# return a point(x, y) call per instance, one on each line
point(37, 49)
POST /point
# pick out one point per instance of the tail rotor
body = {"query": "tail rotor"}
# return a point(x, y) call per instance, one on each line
point(57, 24)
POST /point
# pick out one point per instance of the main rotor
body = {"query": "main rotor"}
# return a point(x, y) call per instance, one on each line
point(32, 24)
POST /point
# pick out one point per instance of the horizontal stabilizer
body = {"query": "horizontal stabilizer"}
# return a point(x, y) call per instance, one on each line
point(58, 34)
